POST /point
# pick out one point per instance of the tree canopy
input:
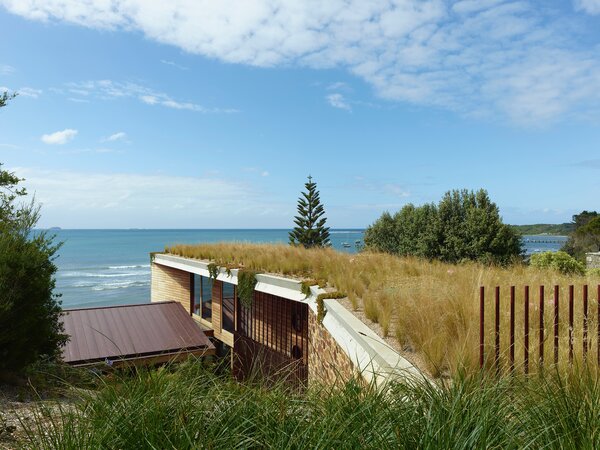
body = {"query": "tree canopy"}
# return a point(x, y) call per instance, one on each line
point(30, 326)
point(310, 230)
point(464, 225)
point(586, 237)
point(5, 97)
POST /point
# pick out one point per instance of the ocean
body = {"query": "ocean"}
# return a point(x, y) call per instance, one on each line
point(112, 267)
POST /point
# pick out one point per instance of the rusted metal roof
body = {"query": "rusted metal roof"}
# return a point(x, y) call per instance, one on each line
point(152, 331)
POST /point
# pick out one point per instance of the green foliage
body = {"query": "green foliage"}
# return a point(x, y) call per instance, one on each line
point(332, 295)
point(246, 284)
point(213, 271)
point(194, 407)
point(561, 229)
point(306, 284)
point(583, 218)
point(559, 261)
point(5, 97)
point(310, 230)
point(321, 310)
point(593, 272)
point(305, 287)
point(464, 225)
point(30, 325)
point(586, 237)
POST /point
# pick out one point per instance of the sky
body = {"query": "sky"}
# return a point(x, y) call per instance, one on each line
point(211, 114)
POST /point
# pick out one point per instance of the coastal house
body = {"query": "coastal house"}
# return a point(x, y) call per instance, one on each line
point(277, 334)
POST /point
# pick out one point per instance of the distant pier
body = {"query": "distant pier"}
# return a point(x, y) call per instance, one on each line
point(545, 240)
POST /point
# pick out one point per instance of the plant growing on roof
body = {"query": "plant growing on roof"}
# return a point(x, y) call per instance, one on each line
point(321, 310)
point(213, 271)
point(310, 230)
point(306, 284)
point(246, 284)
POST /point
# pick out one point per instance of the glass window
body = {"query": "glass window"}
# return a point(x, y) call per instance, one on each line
point(203, 296)
point(228, 305)
point(197, 293)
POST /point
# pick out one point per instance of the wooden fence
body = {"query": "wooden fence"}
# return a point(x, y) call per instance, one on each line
point(532, 326)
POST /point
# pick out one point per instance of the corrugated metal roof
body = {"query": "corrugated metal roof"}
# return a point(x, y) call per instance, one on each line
point(131, 332)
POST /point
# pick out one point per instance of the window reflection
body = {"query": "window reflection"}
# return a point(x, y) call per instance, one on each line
point(228, 305)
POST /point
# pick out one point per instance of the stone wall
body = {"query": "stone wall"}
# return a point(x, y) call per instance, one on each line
point(327, 362)
point(170, 284)
point(592, 260)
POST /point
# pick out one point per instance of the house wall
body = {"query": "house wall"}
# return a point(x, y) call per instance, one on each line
point(592, 260)
point(217, 317)
point(168, 283)
point(327, 363)
point(272, 339)
point(335, 350)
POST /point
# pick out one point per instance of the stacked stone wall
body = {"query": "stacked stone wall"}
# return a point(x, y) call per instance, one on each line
point(327, 362)
point(592, 260)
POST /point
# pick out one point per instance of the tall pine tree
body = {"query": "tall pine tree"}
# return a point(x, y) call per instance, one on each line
point(310, 230)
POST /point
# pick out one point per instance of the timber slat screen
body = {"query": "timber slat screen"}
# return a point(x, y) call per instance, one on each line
point(575, 332)
point(278, 329)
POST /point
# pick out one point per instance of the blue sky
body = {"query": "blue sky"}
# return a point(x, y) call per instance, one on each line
point(201, 114)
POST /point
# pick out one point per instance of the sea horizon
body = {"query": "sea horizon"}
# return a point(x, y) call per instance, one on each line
point(102, 267)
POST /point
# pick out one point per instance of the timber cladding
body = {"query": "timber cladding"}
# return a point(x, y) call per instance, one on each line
point(272, 334)
point(170, 284)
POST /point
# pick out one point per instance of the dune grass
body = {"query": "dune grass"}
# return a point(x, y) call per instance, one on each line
point(191, 406)
point(432, 308)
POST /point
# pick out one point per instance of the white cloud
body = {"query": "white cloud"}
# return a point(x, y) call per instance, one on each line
point(59, 137)
point(24, 91)
point(5, 69)
point(255, 170)
point(149, 99)
point(120, 136)
point(77, 100)
point(589, 6)
point(393, 190)
point(338, 86)
point(396, 190)
point(30, 92)
point(174, 64)
point(111, 90)
point(476, 57)
point(93, 199)
point(337, 100)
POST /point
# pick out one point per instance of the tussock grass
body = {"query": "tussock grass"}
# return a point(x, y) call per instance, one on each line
point(193, 407)
point(432, 308)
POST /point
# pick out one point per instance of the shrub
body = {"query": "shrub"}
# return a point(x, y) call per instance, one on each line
point(559, 261)
point(30, 324)
point(465, 225)
point(586, 237)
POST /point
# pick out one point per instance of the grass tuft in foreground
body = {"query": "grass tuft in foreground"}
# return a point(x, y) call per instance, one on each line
point(193, 407)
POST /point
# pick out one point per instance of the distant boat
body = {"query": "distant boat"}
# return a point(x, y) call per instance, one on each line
point(345, 245)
